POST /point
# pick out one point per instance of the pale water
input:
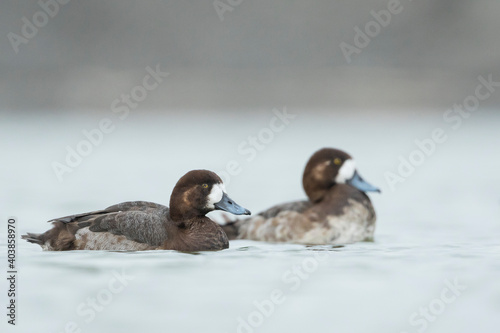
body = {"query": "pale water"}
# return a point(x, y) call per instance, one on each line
point(434, 265)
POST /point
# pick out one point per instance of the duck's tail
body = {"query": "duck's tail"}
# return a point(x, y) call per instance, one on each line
point(34, 238)
point(60, 238)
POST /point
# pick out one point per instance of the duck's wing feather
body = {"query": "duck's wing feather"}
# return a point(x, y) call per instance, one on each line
point(139, 221)
point(124, 206)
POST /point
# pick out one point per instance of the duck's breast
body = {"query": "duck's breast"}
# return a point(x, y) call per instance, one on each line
point(355, 224)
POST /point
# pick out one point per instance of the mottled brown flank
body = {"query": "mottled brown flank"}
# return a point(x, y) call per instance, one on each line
point(139, 225)
point(236, 229)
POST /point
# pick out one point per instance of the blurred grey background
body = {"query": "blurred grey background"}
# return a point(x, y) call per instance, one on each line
point(262, 54)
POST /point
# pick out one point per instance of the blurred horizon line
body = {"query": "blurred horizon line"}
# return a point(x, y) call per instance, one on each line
point(229, 89)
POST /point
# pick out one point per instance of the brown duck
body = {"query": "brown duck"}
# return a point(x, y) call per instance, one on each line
point(140, 225)
point(337, 211)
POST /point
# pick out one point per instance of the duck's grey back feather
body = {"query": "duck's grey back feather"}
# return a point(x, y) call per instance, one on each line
point(139, 226)
point(140, 222)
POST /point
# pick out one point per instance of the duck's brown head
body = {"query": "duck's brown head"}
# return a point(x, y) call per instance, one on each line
point(199, 192)
point(328, 167)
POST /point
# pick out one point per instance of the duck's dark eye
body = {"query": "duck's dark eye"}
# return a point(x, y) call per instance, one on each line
point(337, 161)
point(204, 185)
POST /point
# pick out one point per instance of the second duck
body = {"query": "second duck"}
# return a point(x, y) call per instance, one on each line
point(338, 210)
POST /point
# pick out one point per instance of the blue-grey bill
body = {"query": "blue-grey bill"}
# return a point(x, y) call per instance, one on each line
point(361, 184)
point(228, 205)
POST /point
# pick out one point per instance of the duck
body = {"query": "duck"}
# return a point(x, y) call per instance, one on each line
point(337, 211)
point(141, 225)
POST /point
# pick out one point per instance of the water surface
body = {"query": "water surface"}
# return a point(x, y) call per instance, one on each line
point(438, 228)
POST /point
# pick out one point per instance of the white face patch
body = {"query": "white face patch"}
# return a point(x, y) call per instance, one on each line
point(215, 195)
point(346, 172)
